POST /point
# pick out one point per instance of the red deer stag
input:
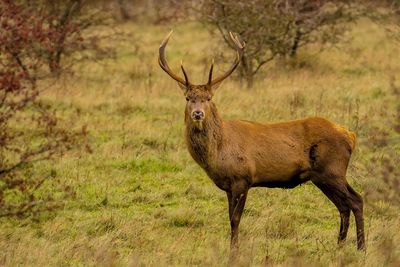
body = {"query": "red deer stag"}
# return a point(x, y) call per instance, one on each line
point(239, 154)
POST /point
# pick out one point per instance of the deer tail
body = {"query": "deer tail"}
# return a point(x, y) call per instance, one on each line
point(353, 138)
point(350, 137)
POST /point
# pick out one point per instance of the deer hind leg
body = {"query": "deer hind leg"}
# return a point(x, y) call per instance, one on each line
point(345, 199)
point(356, 204)
point(330, 166)
point(344, 225)
point(338, 196)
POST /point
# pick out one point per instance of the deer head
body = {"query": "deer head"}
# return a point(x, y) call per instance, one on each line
point(199, 97)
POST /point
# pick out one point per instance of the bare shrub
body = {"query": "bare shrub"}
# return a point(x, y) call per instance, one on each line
point(81, 29)
point(30, 131)
point(277, 28)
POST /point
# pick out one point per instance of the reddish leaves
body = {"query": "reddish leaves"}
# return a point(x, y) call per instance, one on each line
point(29, 130)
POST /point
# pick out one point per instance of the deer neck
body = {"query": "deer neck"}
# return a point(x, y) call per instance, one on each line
point(204, 141)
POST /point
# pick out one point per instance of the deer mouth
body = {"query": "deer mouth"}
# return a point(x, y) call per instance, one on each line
point(197, 118)
point(198, 122)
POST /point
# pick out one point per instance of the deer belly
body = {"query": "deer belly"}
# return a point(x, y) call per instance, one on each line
point(281, 175)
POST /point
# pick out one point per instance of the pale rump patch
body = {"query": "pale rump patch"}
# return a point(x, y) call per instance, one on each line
point(351, 135)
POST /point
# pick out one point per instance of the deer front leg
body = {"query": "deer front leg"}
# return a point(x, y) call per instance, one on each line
point(236, 199)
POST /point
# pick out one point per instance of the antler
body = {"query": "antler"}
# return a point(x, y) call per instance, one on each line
point(164, 65)
point(239, 53)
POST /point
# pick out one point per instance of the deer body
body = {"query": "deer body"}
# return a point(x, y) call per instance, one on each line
point(238, 155)
point(281, 155)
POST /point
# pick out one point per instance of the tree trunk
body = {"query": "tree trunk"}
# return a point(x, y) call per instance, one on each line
point(296, 41)
point(249, 81)
point(246, 72)
point(123, 11)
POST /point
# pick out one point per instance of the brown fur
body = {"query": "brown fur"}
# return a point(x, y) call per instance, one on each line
point(239, 154)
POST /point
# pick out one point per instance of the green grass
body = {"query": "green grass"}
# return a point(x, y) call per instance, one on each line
point(139, 199)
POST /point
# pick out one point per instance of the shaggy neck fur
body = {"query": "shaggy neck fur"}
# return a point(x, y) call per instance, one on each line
point(203, 142)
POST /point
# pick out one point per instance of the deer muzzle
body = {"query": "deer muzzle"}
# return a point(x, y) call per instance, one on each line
point(197, 115)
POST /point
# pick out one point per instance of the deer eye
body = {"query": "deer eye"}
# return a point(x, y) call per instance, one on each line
point(209, 99)
point(187, 98)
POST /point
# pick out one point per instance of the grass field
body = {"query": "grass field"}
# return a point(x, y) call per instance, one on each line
point(140, 200)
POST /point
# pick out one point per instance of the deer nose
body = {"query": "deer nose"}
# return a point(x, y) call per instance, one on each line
point(198, 115)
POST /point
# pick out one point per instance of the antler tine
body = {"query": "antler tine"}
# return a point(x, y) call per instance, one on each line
point(184, 73)
point(164, 65)
point(239, 53)
point(210, 73)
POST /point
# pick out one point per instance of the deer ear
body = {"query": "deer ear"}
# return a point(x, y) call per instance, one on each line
point(214, 87)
